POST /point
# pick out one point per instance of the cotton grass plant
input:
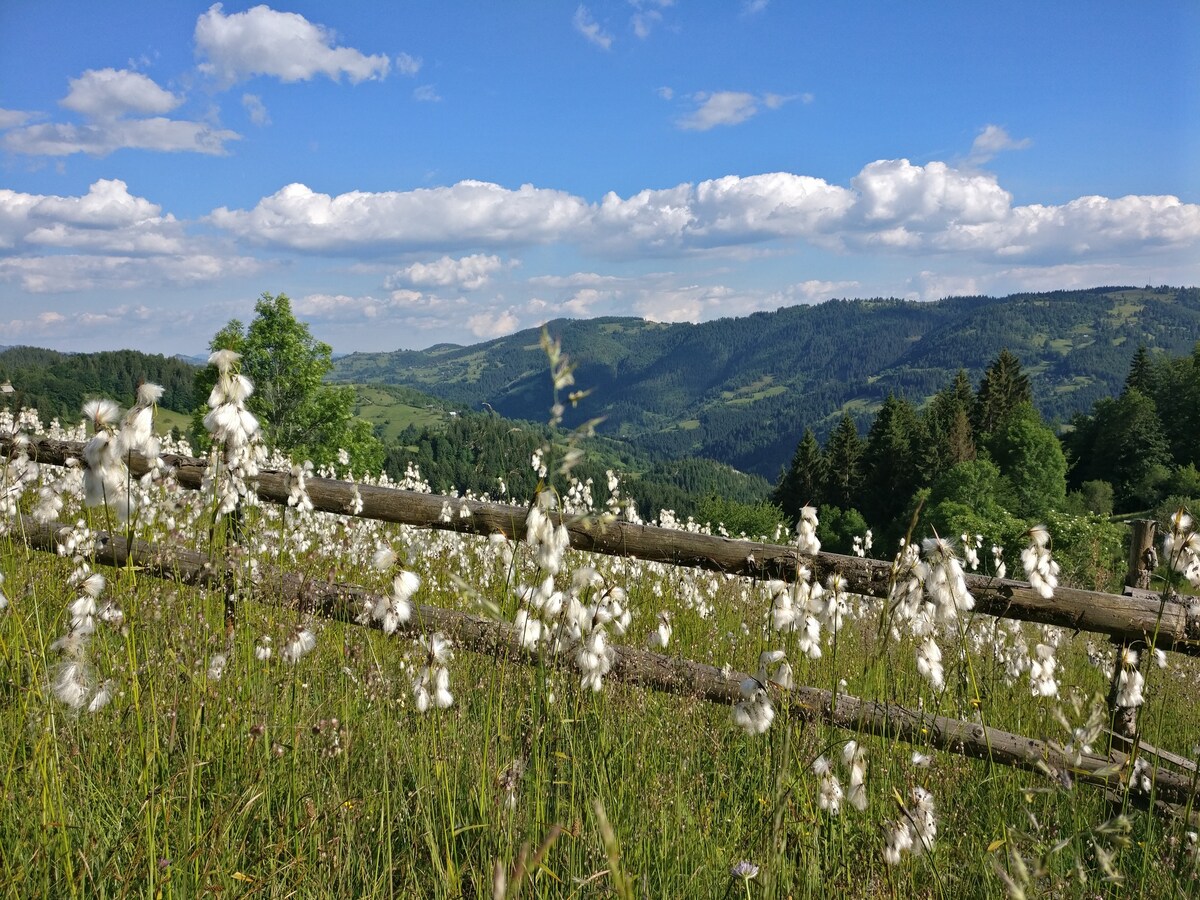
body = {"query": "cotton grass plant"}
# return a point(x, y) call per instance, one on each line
point(156, 746)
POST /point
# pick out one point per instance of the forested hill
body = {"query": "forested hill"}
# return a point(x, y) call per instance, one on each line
point(742, 390)
point(56, 384)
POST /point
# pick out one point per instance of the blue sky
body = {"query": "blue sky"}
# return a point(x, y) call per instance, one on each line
point(413, 173)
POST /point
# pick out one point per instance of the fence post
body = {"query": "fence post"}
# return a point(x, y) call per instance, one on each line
point(1142, 561)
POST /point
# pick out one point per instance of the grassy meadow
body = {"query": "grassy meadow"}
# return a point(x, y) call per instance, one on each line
point(160, 754)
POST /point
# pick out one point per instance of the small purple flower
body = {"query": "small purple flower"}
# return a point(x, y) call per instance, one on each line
point(744, 870)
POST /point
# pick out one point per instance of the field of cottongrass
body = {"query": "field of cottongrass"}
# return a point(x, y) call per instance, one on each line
point(152, 748)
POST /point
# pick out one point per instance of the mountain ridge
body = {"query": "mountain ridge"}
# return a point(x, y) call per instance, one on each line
point(741, 390)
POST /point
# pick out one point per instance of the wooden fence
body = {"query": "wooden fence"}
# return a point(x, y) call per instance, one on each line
point(344, 602)
point(1163, 623)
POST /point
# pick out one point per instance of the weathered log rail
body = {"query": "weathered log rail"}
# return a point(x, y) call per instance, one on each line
point(1164, 624)
point(633, 666)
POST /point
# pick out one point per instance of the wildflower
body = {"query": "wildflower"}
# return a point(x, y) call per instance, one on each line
point(72, 683)
point(855, 757)
point(806, 532)
point(262, 651)
point(830, 796)
point(3, 599)
point(137, 429)
point(745, 870)
point(899, 840)
point(1040, 569)
point(383, 559)
point(659, 638)
point(1041, 672)
point(394, 609)
point(432, 685)
point(1130, 680)
point(945, 584)
point(929, 663)
point(754, 712)
point(216, 666)
point(102, 697)
point(301, 642)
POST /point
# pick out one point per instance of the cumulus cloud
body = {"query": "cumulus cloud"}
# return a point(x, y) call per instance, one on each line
point(729, 108)
point(106, 219)
point(111, 93)
point(493, 323)
point(466, 215)
point(586, 25)
point(107, 237)
point(107, 98)
point(426, 93)
point(468, 273)
point(891, 207)
point(263, 41)
point(991, 140)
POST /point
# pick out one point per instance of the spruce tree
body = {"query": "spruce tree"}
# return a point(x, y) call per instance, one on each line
point(843, 465)
point(1004, 388)
point(801, 483)
point(890, 462)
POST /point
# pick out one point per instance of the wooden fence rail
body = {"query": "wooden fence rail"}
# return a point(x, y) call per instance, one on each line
point(344, 602)
point(1165, 624)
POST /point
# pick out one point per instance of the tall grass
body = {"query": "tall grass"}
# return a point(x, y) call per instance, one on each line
point(320, 778)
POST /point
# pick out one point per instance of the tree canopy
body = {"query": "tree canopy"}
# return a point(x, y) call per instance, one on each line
point(300, 414)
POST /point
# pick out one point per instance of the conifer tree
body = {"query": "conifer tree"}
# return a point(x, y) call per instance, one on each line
point(801, 483)
point(1004, 387)
point(843, 464)
point(949, 438)
point(1140, 375)
point(890, 462)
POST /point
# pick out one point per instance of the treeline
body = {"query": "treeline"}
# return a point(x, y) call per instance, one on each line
point(485, 453)
point(1141, 447)
point(56, 384)
point(975, 461)
point(981, 461)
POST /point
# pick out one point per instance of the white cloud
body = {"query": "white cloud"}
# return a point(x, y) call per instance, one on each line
point(667, 93)
point(729, 108)
point(493, 324)
point(466, 215)
point(106, 98)
point(894, 191)
point(991, 140)
point(891, 207)
point(427, 93)
point(647, 15)
point(586, 25)
point(71, 273)
point(468, 273)
point(753, 7)
point(103, 138)
point(263, 41)
point(408, 65)
point(255, 109)
point(106, 219)
point(104, 94)
point(11, 118)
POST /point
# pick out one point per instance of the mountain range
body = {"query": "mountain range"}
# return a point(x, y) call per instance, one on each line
point(742, 390)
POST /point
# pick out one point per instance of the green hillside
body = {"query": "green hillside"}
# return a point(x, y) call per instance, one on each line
point(742, 390)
